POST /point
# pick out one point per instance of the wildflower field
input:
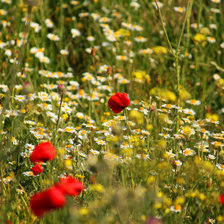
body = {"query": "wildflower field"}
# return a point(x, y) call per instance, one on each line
point(111, 111)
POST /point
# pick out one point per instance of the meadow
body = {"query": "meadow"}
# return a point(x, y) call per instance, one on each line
point(111, 111)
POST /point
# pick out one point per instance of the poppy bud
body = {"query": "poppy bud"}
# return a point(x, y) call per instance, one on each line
point(118, 102)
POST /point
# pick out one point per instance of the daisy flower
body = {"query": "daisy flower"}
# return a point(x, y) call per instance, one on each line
point(64, 52)
point(121, 57)
point(49, 23)
point(211, 40)
point(53, 37)
point(189, 112)
point(75, 33)
point(135, 5)
point(217, 11)
point(188, 152)
point(194, 102)
point(180, 9)
point(216, 1)
point(176, 208)
point(140, 39)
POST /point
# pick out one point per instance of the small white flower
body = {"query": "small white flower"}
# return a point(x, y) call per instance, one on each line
point(211, 39)
point(64, 52)
point(44, 59)
point(194, 102)
point(217, 11)
point(180, 9)
point(90, 38)
point(7, 1)
point(140, 39)
point(212, 157)
point(158, 3)
point(35, 26)
point(19, 191)
point(49, 23)
point(75, 33)
point(213, 26)
point(53, 37)
point(135, 5)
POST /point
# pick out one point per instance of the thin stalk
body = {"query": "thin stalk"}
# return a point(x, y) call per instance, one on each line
point(61, 31)
point(59, 113)
point(199, 14)
point(176, 53)
point(188, 38)
point(177, 58)
point(126, 121)
point(164, 29)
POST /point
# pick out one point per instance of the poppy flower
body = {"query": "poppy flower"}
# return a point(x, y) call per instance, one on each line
point(43, 152)
point(37, 169)
point(7, 221)
point(70, 186)
point(118, 102)
point(45, 201)
point(221, 199)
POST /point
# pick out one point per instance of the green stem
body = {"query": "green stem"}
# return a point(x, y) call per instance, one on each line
point(59, 112)
point(176, 53)
point(126, 120)
point(200, 13)
point(188, 38)
point(61, 32)
point(187, 15)
point(164, 29)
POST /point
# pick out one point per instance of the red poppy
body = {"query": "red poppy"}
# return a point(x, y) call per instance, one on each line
point(43, 152)
point(7, 221)
point(70, 186)
point(45, 201)
point(118, 102)
point(221, 199)
point(37, 169)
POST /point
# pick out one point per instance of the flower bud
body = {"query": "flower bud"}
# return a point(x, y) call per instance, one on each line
point(109, 70)
point(93, 52)
point(61, 89)
point(27, 87)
